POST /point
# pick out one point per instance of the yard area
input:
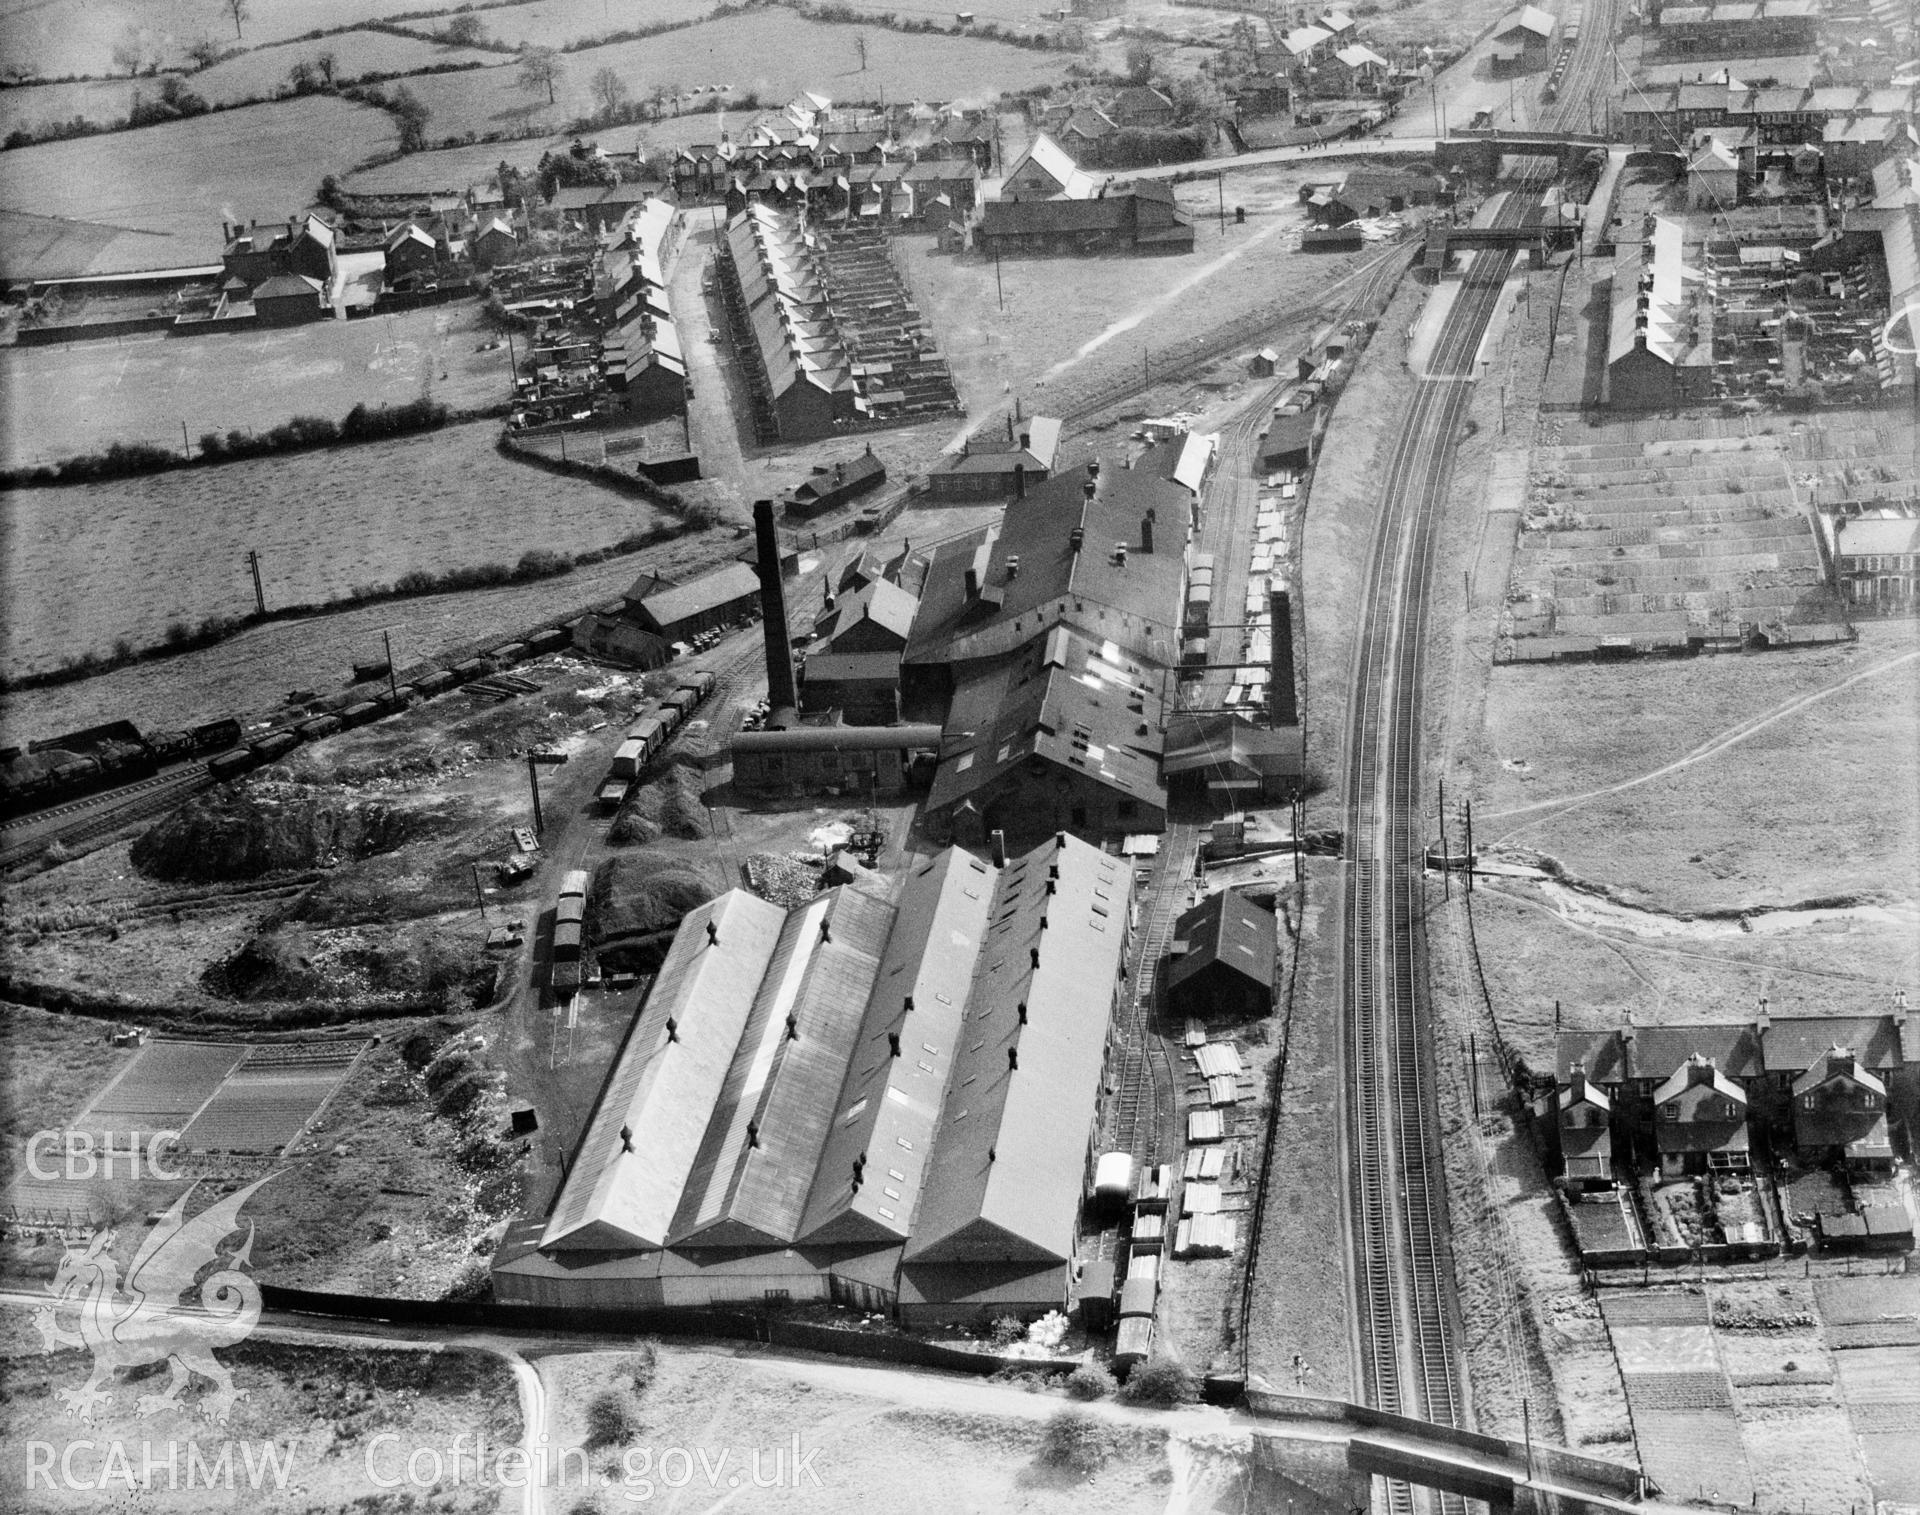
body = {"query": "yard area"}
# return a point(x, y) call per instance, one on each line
point(174, 182)
point(79, 397)
point(90, 564)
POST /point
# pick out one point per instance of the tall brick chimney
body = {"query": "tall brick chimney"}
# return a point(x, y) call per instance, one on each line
point(782, 696)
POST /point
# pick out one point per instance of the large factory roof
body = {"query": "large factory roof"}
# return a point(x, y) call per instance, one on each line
point(1064, 698)
point(1010, 1157)
point(870, 1174)
point(646, 1130)
point(990, 591)
point(749, 1184)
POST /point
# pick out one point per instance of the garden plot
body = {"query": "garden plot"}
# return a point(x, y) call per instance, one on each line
point(1681, 1401)
point(1662, 541)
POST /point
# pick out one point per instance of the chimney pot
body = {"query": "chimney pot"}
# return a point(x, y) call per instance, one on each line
point(893, 1043)
point(753, 1133)
point(1033, 956)
point(673, 1029)
point(626, 1138)
point(793, 1028)
point(906, 1007)
point(826, 931)
point(1019, 481)
point(1023, 1012)
point(1013, 1058)
point(713, 934)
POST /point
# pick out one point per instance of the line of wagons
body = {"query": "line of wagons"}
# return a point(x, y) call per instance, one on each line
point(1198, 619)
point(1122, 1294)
point(77, 763)
point(648, 736)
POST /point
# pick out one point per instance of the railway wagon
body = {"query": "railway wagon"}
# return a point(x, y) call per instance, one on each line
point(230, 765)
point(360, 714)
point(700, 683)
point(1133, 1343)
point(319, 726)
point(507, 652)
point(629, 758)
point(430, 684)
point(275, 744)
point(565, 977)
point(573, 887)
point(566, 941)
point(681, 703)
point(467, 671)
point(216, 736)
point(548, 639)
point(1199, 615)
point(1138, 1295)
point(651, 732)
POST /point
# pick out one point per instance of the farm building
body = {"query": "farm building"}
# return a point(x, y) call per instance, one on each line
point(815, 760)
point(1876, 558)
point(724, 597)
point(1522, 42)
point(864, 687)
point(289, 299)
point(1045, 172)
point(984, 471)
point(1771, 1064)
point(1660, 337)
point(1223, 958)
point(1101, 551)
point(1141, 217)
point(784, 1115)
point(1065, 733)
point(832, 486)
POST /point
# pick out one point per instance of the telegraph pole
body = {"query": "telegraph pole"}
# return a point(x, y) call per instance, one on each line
point(1469, 846)
point(533, 784)
point(186, 447)
point(259, 594)
point(998, 289)
point(393, 686)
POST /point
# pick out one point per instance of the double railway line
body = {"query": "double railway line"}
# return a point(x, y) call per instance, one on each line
point(101, 814)
point(1402, 1266)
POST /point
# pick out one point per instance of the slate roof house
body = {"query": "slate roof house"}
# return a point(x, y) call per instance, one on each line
point(1701, 1120)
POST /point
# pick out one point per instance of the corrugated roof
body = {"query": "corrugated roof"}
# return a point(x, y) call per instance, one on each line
point(889, 1106)
point(748, 1185)
point(1010, 1156)
point(721, 587)
point(1226, 928)
point(1063, 698)
point(622, 1193)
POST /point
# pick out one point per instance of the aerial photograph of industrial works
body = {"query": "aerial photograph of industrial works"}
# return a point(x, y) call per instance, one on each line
point(1156, 757)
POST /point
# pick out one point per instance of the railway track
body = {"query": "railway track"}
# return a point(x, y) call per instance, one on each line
point(1574, 109)
point(1148, 1103)
point(101, 814)
point(1402, 1265)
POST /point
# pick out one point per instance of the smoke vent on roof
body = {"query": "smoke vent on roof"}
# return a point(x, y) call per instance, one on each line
point(893, 1043)
point(1033, 953)
point(826, 931)
point(626, 1138)
point(793, 1028)
point(1023, 1012)
point(673, 1029)
point(1013, 1058)
point(713, 934)
point(753, 1133)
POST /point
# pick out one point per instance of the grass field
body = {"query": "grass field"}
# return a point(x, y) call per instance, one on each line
point(264, 70)
point(90, 564)
point(774, 54)
point(93, 99)
point(1748, 826)
point(556, 23)
point(77, 398)
point(178, 180)
point(452, 169)
point(38, 40)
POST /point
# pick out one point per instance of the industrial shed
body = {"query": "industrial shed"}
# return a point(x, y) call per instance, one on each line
point(888, 1106)
point(863, 686)
point(816, 760)
point(720, 598)
point(1223, 959)
point(1522, 41)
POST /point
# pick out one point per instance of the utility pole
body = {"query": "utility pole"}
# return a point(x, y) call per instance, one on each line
point(1433, 94)
point(1220, 183)
point(1473, 1071)
point(1469, 846)
point(259, 594)
point(999, 289)
point(393, 685)
point(1446, 862)
point(186, 447)
point(533, 785)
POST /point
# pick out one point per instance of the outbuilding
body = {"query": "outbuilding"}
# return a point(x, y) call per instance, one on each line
point(1223, 958)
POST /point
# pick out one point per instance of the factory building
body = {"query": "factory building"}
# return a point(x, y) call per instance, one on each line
point(1660, 338)
point(890, 1104)
point(1222, 961)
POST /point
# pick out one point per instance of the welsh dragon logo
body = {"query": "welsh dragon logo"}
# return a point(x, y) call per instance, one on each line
point(146, 1321)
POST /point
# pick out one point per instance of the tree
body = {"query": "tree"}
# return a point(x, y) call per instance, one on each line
point(540, 69)
point(610, 93)
point(411, 114)
point(326, 65)
point(1141, 60)
point(1197, 101)
point(464, 31)
point(240, 10)
point(204, 53)
point(131, 51)
point(860, 49)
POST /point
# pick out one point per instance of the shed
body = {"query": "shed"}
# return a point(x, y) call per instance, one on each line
point(289, 299)
point(1222, 962)
point(714, 600)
